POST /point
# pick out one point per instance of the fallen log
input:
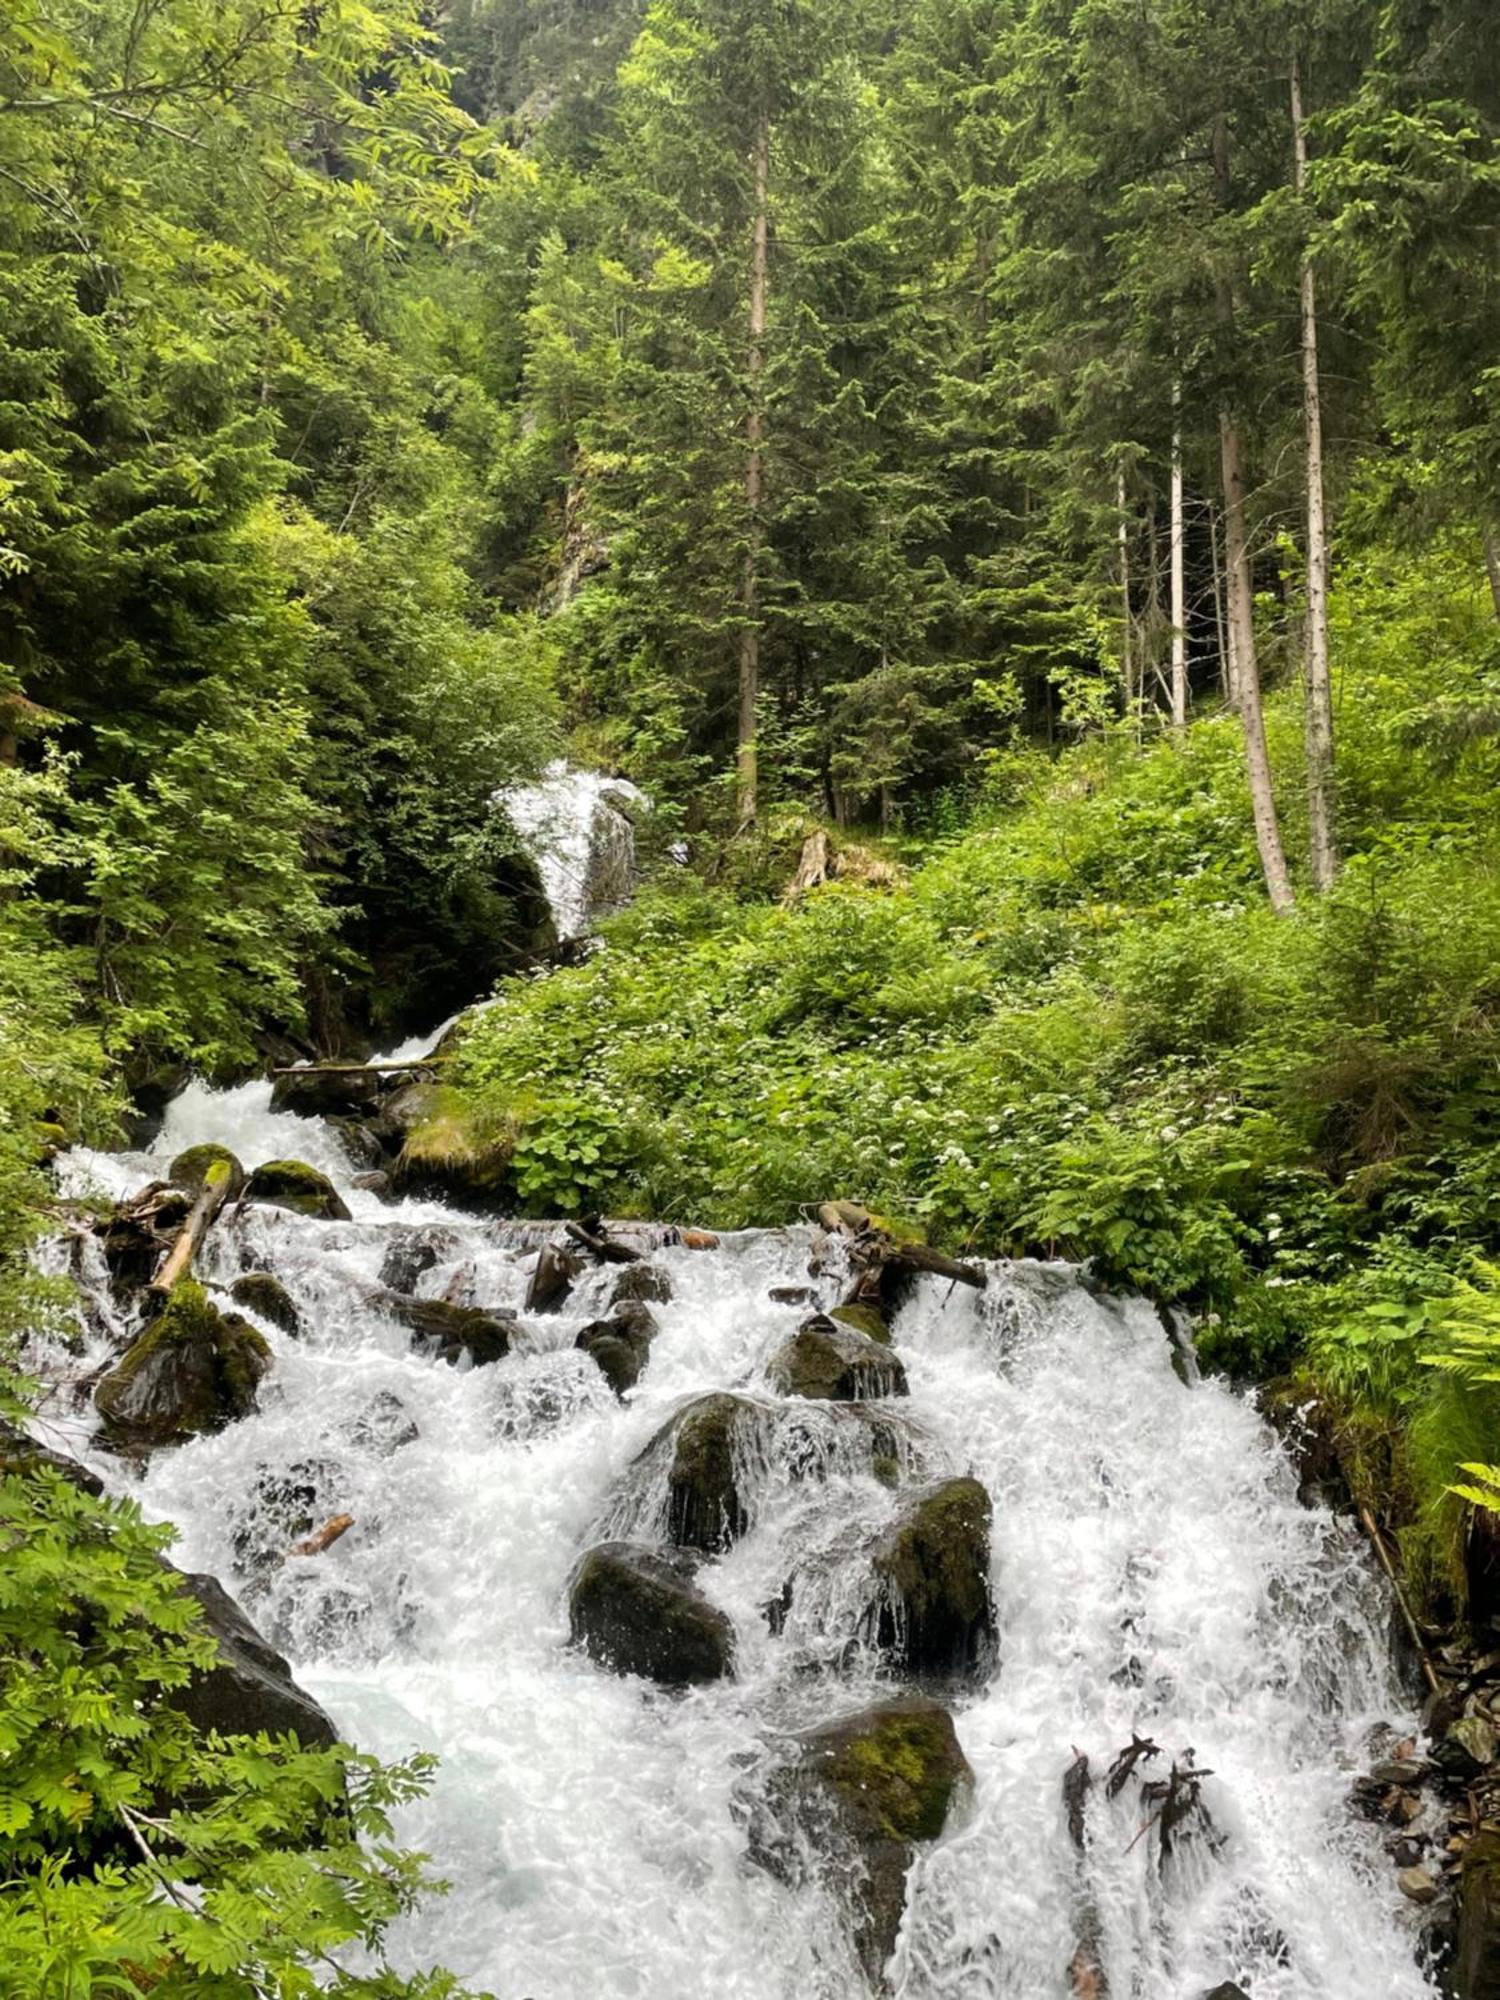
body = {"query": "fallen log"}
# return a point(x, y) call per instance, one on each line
point(324, 1538)
point(601, 1246)
point(179, 1259)
point(917, 1257)
point(356, 1069)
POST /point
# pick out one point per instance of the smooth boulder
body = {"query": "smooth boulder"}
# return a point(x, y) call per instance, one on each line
point(252, 1688)
point(262, 1293)
point(455, 1333)
point(637, 1611)
point(933, 1613)
point(865, 1792)
point(831, 1363)
point(705, 1508)
point(193, 1370)
point(294, 1185)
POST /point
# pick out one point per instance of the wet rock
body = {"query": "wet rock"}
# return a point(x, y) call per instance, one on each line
point(360, 1144)
point(409, 1256)
point(453, 1332)
point(1476, 1971)
point(1309, 1431)
point(705, 1509)
point(193, 1370)
point(834, 1363)
point(295, 1185)
point(330, 1091)
point(22, 1454)
point(190, 1169)
point(557, 1266)
point(284, 1504)
point(252, 1687)
point(384, 1425)
point(263, 1293)
point(792, 1295)
point(934, 1614)
point(1227, 1991)
point(1468, 1748)
point(647, 1284)
point(377, 1184)
point(868, 1320)
point(637, 1611)
point(865, 1792)
point(620, 1346)
point(1418, 1885)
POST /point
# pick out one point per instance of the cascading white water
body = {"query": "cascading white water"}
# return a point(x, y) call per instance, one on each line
point(577, 826)
point(1153, 1573)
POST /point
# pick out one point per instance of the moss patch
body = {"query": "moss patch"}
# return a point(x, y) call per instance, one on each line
point(295, 1185)
point(190, 1170)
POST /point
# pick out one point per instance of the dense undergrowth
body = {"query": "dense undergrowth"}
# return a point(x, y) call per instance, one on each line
point(1073, 1027)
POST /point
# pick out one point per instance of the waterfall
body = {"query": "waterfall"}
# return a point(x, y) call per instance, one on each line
point(1154, 1574)
point(578, 827)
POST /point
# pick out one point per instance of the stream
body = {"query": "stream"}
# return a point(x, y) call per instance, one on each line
point(1153, 1573)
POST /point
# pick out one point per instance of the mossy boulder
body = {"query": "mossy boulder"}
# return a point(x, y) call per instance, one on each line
point(933, 1613)
point(264, 1294)
point(252, 1687)
point(1476, 1970)
point(833, 1363)
point(865, 1792)
point(705, 1508)
point(645, 1283)
point(190, 1170)
point(621, 1345)
point(454, 1333)
point(330, 1091)
point(447, 1155)
point(637, 1611)
point(295, 1185)
point(193, 1370)
point(868, 1320)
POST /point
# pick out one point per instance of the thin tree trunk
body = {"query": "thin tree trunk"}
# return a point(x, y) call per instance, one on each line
point(1323, 836)
point(1179, 574)
point(1127, 662)
point(1226, 643)
point(1492, 564)
point(755, 426)
point(1240, 589)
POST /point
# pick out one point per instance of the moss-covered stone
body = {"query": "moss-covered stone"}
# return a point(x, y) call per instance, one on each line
point(295, 1185)
point(705, 1509)
point(448, 1155)
point(868, 1320)
point(454, 1333)
point(834, 1363)
point(264, 1294)
point(1476, 1972)
point(193, 1370)
point(934, 1614)
point(190, 1170)
point(868, 1788)
point(620, 1346)
point(637, 1611)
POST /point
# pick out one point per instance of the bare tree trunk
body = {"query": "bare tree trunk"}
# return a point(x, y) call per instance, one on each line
point(1225, 637)
point(1127, 660)
point(1323, 838)
point(1492, 564)
point(1179, 574)
point(179, 1259)
point(755, 426)
point(1239, 585)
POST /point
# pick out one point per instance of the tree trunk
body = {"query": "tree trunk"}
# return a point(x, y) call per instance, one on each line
point(1241, 606)
point(1320, 769)
point(1179, 574)
point(1127, 663)
point(1226, 642)
point(1492, 564)
point(755, 426)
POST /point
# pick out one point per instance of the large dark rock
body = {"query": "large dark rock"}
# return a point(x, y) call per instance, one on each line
point(22, 1454)
point(454, 1332)
point(331, 1092)
point(1476, 1969)
point(557, 1265)
point(864, 1792)
point(621, 1346)
point(190, 1169)
point(410, 1254)
point(705, 1509)
point(261, 1292)
point(934, 1614)
point(193, 1370)
point(646, 1284)
point(637, 1611)
point(1227, 1990)
point(836, 1363)
point(252, 1688)
point(295, 1185)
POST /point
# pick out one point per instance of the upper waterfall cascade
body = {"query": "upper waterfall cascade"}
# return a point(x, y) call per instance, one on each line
point(1154, 1574)
point(579, 828)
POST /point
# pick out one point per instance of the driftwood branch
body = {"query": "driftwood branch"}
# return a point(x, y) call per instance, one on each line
point(601, 1246)
point(179, 1259)
point(324, 1538)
